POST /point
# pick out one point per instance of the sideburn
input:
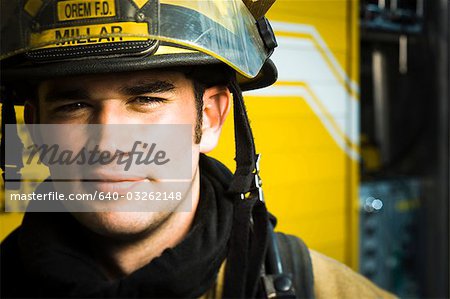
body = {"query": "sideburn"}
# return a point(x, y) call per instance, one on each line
point(199, 90)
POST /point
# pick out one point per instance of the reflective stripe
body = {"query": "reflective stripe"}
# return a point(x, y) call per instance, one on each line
point(90, 34)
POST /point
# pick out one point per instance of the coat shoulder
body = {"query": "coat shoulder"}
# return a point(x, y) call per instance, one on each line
point(333, 279)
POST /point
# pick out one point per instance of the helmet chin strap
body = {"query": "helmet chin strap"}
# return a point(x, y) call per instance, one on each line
point(245, 145)
point(11, 168)
point(249, 238)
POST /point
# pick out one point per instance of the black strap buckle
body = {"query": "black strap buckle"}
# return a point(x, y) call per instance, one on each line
point(278, 286)
point(256, 189)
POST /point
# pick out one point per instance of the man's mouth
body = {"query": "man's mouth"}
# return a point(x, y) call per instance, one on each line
point(118, 186)
point(116, 182)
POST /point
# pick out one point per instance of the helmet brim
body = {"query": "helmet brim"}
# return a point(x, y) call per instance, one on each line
point(38, 72)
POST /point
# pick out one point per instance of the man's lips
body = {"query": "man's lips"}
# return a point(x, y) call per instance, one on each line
point(121, 187)
point(115, 182)
point(113, 176)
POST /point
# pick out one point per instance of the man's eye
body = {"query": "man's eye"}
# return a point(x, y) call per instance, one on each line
point(73, 107)
point(149, 101)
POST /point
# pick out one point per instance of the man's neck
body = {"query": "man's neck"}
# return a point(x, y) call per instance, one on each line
point(122, 257)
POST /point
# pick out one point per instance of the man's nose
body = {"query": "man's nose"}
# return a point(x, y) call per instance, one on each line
point(111, 129)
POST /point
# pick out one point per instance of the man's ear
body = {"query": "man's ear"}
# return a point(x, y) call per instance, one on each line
point(216, 106)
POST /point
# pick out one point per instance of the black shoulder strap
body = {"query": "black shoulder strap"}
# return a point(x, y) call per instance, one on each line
point(297, 261)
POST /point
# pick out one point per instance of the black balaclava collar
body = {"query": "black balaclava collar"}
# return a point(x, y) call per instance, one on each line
point(55, 253)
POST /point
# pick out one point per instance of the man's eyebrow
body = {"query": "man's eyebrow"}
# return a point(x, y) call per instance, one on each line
point(147, 87)
point(56, 95)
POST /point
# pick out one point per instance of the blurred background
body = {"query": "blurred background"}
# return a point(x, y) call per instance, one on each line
point(354, 137)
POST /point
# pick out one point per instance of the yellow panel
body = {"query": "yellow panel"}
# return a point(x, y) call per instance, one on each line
point(304, 172)
point(332, 19)
point(8, 222)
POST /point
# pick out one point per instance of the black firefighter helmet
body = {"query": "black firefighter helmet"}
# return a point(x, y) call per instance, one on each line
point(43, 39)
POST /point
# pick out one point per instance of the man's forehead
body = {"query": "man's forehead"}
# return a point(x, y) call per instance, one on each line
point(119, 81)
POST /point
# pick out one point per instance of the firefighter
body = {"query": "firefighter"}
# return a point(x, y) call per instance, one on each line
point(152, 62)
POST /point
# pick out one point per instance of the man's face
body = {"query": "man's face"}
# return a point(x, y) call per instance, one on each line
point(132, 98)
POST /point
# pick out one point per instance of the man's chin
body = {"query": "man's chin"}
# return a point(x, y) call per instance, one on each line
point(122, 225)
